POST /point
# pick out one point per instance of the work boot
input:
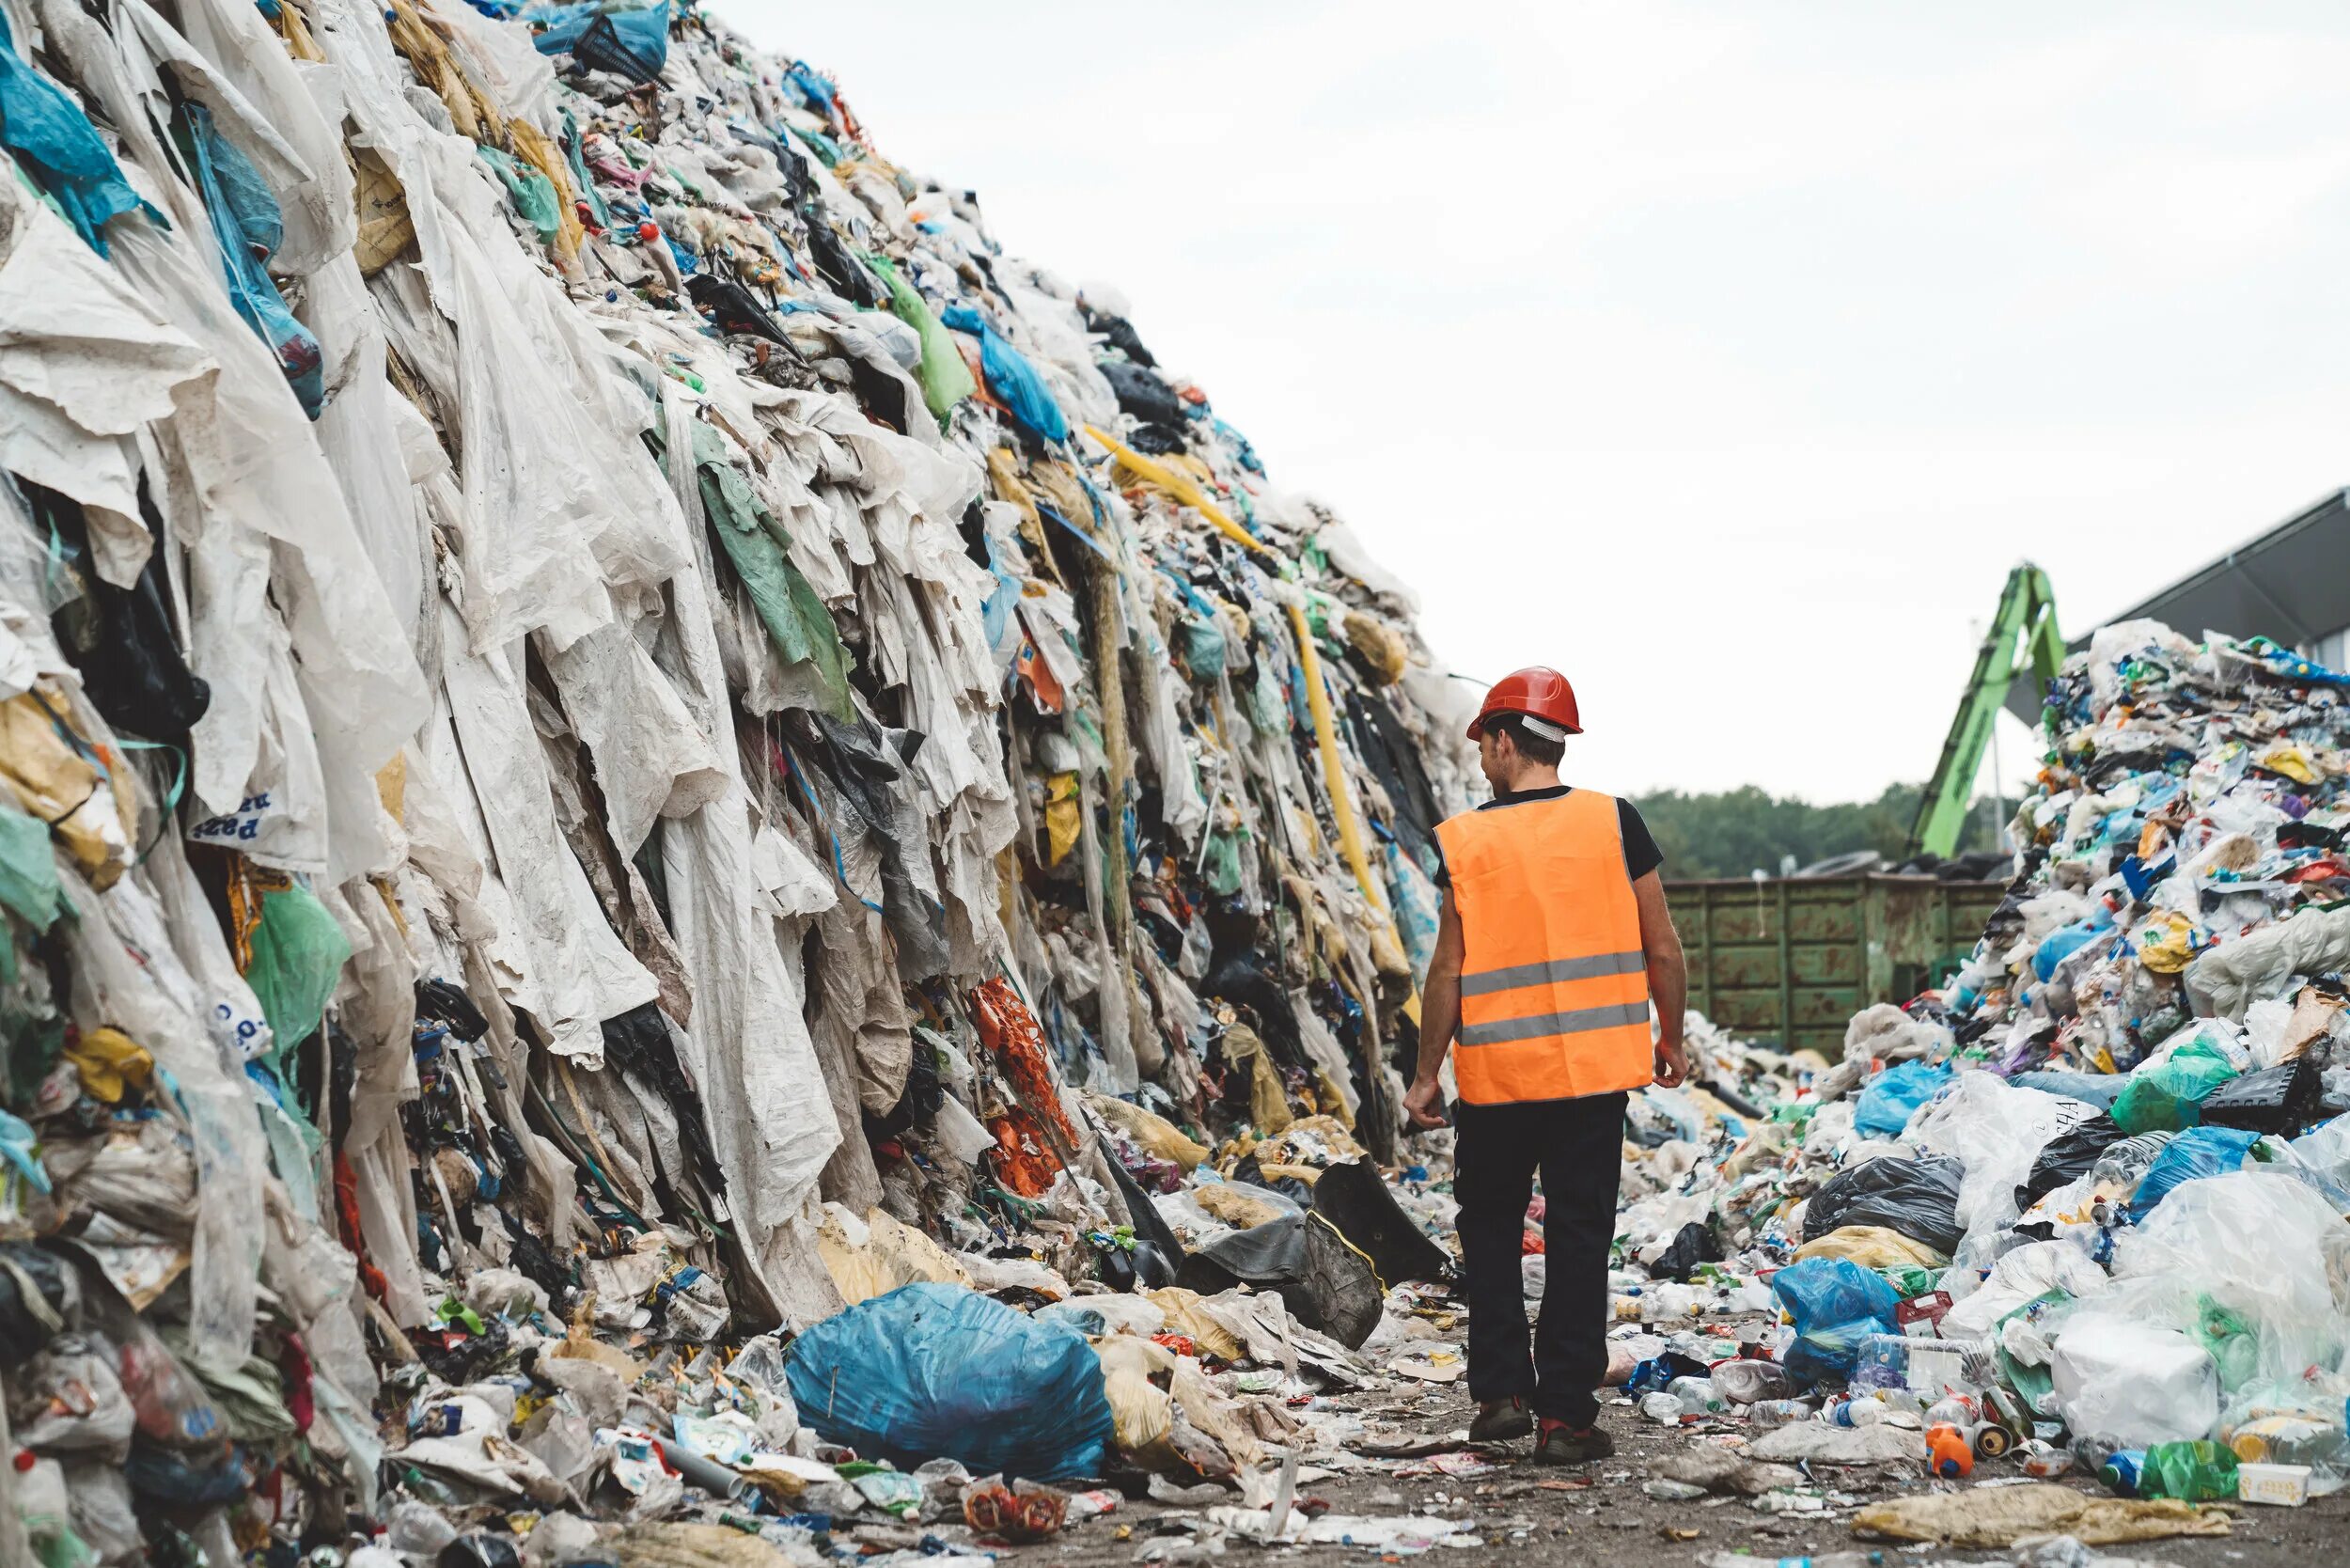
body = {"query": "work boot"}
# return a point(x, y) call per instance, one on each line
point(1561, 1443)
point(1499, 1420)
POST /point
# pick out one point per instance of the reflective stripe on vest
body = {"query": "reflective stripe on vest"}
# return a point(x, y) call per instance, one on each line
point(1553, 984)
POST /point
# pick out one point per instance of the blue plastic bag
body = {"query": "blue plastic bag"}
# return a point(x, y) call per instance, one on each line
point(1893, 1096)
point(2065, 941)
point(1011, 377)
point(1836, 1304)
point(2195, 1153)
point(941, 1371)
point(250, 226)
point(604, 35)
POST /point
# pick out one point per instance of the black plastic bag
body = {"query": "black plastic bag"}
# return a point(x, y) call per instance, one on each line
point(1353, 1199)
point(1153, 439)
point(1122, 335)
point(2282, 1099)
point(1692, 1245)
point(121, 639)
point(735, 310)
point(2067, 1157)
point(23, 1327)
point(1916, 1198)
point(1142, 393)
point(1326, 1284)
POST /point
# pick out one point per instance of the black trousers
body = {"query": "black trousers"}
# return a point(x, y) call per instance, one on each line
point(1578, 1145)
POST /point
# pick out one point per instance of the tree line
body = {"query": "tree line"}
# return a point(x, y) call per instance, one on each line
point(1738, 832)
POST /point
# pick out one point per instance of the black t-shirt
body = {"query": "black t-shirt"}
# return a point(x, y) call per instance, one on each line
point(1641, 854)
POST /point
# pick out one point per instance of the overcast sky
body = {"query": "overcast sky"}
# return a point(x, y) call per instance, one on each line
point(1726, 357)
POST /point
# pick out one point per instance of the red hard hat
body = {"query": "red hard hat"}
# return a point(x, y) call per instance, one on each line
point(1538, 692)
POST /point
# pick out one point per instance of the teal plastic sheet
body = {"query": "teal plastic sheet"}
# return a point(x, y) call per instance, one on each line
point(58, 149)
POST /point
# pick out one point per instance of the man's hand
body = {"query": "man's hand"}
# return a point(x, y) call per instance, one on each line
point(1424, 1103)
point(1672, 1065)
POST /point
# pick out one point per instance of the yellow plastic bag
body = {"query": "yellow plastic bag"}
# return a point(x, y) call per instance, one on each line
point(107, 1060)
point(2165, 941)
point(1268, 1106)
point(93, 815)
point(1186, 1316)
point(1153, 1133)
point(1873, 1246)
point(875, 1255)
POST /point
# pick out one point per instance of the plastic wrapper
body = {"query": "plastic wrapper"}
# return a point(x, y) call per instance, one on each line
point(2169, 1095)
point(1996, 1131)
point(2265, 1248)
point(1889, 1100)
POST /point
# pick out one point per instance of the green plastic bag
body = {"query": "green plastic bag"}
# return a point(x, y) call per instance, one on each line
point(797, 621)
point(2190, 1472)
point(2169, 1097)
point(28, 869)
point(532, 193)
point(946, 379)
point(298, 951)
point(2234, 1344)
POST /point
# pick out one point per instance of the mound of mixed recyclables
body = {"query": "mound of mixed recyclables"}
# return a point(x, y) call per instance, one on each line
point(2085, 1207)
point(622, 736)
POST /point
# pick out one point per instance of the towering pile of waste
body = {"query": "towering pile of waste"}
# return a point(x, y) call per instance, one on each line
point(591, 665)
point(2086, 1206)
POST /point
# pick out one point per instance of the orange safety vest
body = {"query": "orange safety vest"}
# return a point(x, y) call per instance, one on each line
point(1553, 984)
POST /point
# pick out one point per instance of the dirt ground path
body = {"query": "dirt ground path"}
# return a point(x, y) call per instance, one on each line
point(1599, 1514)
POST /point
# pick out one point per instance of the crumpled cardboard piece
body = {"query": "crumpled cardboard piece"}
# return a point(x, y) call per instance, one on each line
point(1999, 1516)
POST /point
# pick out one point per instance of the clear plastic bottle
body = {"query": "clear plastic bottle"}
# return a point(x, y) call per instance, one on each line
point(1957, 1410)
point(1779, 1411)
point(1697, 1395)
point(1860, 1411)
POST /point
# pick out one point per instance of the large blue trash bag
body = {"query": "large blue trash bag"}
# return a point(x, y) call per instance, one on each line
point(941, 1371)
point(1894, 1095)
point(1836, 1304)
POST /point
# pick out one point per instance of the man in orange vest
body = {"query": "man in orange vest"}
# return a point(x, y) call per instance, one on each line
point(1553, 943)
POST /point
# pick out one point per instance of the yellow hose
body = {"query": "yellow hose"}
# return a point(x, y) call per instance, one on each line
point(1333, 773)
point(1180, 487)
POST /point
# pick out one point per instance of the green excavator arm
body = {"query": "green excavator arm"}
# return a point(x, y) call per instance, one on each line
point(2023, 640)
